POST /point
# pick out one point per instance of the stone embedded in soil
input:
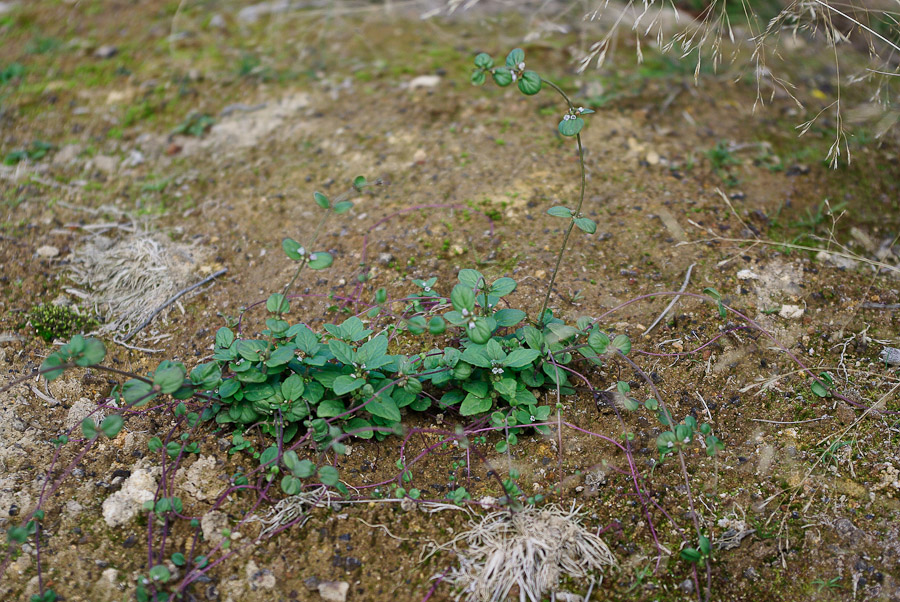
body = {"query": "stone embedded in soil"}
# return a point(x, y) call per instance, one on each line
point(201, 479)
point(791, 312)
point(334, 591)
point(258, 578)
point(212, 524)
point(47, 251)
point(106, 52)
point(125, 504)
point(80, 410)
point(425, 81)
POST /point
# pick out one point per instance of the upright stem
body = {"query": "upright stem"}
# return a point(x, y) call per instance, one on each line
point(315, 237)
point(577, 211)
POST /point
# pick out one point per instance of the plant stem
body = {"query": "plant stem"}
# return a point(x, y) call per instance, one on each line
point(315, 237)
point(577, 211)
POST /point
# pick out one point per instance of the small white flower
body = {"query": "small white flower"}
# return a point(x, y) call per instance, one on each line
point(670, 444)
point(522, 66)
point(301, 251)
point(312, 256)
point(465, 312)
point(427, 289)
point(515, 77)
point(472, 325)
point(687, 440)
point(532, 418)
point(581, 109)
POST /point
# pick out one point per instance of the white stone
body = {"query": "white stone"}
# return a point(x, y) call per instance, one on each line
point(80, 410)
point(334, 591)
point(425, 81)
point(47, 251)
point(791, 312)
point(125, 504)
point(747, 275)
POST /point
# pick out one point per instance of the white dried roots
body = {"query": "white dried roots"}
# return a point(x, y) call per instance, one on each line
point(529, 551)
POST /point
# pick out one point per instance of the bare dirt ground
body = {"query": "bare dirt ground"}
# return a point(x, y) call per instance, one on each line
point(803, 502)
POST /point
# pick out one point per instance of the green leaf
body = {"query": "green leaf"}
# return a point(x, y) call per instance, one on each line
point(473, 405)
point(416, 325)
point(346, 383)
point(111, 425)
point(691, 555)
point(293, 249)
point(480, 332)
point(478, 77)
point(483, 60)
point(224, 338)
point(819, 389)
point(713, 445)
point(363, 428)
point(292, 387)
point(519, 358)
point(380, 296)
point(571, 127)
point(586, 225)
point(622, 343)
point(359, 182)
point(321, 200)
point(630, 404)
point(178, 559)
point(88, 428)
point(509, 317)
point(471, 278)
point(53, 360)
point(229, 388)
point(320, 260)
point(437, 325)
point(168, 379)
point(651, 404)
point(291, 485)
point(560, 211)
point(160, 573)
point(598, 342)
point(330, 408)
point(533, 337)
point(281, 356)
point(705, 547)
point(515, 56)
point(712, 293)
point(93, 353)
point(342, 351)
point(502, 76)
point(503, 286)
point(530, 83)
point(277, 304)
point(665, 443)
point(462, 298)
point(329, 475)
point(343, 207)
point(384, 407)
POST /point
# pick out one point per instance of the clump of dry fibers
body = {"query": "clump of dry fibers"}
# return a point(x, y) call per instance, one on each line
point(131, 276)
point(530, 550)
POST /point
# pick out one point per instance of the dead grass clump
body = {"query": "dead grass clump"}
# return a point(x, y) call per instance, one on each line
point(131, 276)
point(529, 550)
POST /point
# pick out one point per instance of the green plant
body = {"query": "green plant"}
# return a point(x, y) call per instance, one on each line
point(58, 321)
point(530, 83)
point(833, 583)
point(35, 152)
point(195, 124)
point(11, 72)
